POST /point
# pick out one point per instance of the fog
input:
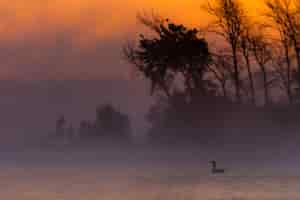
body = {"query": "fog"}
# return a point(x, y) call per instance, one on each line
point(143, 173)
point(29, 109)
point(32, 167)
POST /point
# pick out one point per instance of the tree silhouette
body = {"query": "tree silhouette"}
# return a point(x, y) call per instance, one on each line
point(282, 67)
point(262, 54)
point(204, 109)
point(185, 119)
point(245, 48)
point(221, 69)
point(175, 51)
point(60, 126)
point(70, 133)
point(284, 16)
point(86, 129)
point(229, 19)
point(111, 123)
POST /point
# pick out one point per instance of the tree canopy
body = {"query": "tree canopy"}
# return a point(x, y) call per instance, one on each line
point(174, 51)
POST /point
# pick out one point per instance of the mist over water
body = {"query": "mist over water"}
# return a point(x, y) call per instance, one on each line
point(120, 172)
point(32, 170)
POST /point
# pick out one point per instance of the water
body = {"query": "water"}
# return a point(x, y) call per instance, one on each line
point(65, 176)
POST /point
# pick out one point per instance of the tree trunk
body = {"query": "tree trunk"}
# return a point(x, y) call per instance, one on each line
point(297, 51)
point(224, 90)
point(236, 75)
point(288, 73)
point(250, 77)
point(266, 88)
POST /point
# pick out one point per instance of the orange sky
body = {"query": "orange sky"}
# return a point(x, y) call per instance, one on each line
point(106, 18)
point(37, 36)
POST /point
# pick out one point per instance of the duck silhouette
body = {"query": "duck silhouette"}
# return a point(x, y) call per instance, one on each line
point(214, 169)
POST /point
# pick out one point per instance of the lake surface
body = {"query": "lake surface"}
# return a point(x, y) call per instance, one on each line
point(87, 176)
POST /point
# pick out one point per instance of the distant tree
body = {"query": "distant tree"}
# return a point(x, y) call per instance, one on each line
point(86, 129)
point(60, 126)
point(70, 132)
point(110, 123)
point(175, 51)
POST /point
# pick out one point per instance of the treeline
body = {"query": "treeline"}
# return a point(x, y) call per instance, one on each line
point(110, 125)
point(246, 80)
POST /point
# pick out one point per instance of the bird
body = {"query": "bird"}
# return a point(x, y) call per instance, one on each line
point(215, 170)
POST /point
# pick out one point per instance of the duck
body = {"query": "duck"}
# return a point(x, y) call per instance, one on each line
point(215, 170)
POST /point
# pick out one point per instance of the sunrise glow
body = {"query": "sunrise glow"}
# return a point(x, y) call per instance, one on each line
point(52, 38)
point(103, 19)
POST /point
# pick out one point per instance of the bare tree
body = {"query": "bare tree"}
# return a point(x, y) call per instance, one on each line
point(282, 68)
point(285, 18)
point(262, 54)
point(221, 69)
point(228, 23)
point(288, 70)
point(245, 48)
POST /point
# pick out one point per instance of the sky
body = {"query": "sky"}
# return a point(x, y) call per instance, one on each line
point(79, 39)
point(75, 40)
